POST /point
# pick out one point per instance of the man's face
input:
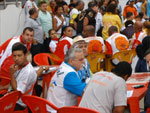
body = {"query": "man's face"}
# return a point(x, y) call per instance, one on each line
point(43, 7)
point(78, 60)
point(81, 6)
point(84, 46)
point(147, 57)
point(27, 36)
point(19, 58)
point(95, 8)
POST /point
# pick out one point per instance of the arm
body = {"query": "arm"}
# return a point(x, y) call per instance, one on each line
point(119, 109)
point(12, 70)
point(41, 69)
point(73, 84)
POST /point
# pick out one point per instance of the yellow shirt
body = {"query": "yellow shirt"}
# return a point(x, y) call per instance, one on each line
point(110, 19)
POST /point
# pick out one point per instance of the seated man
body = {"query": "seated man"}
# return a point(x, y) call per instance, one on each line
point(6, 58)
point(23, 75)
point(84, 73)
point(116, 42)
point(106, 91)
point(66, 84)
point(138, 35)
point(96, 44)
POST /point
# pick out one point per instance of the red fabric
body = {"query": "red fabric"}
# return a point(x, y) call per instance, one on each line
point(60, 48)
point(108, 48)
point(136, 41)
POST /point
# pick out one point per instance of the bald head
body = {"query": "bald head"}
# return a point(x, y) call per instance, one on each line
point(88, 31)
point(138, 26)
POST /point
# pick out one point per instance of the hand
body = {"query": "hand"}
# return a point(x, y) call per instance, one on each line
point(46, 68)
point(13, 68)
point(34, 42)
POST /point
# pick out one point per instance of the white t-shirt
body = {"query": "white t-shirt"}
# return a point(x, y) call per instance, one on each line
point(99, 22)
point(104, 91)
point(25, 78)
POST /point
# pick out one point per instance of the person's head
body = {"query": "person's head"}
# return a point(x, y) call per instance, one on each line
point(43, 6)
point(75, 58)
point(71, 6)
point(88, 31)
point(19, 52)
point(59, 9)
point(138, 18)
point(27, 35)
point(67, 31)
point(123, 69)
point(79, 5)
point(132, 2)
point(66, 9)
point(112, 8)
point(129, 16)
point(112, 29)
point(138, 26)
point(93, 5)
point(53, 4)
point(79, 42)
point(52, 34)
point(147, 27)
point(33, 12)
point(73, 1)
point(147, 57)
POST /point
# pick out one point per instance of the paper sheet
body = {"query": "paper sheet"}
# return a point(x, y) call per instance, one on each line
point(129, 93)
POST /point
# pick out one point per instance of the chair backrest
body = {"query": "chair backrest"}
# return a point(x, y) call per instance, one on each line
point(95, 60)
point(126, 55)
point(8, 102)
point(37, 104)
point(74, 109)
point(46, 59)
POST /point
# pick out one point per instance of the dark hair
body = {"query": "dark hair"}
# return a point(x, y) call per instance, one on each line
point(28, 28)
point(112, 8)
point(64, 29)
point(71, 5)
point(122, 68)
point(113, 29)
point(58, 6)
point(77, 3)
point(91, 4)
point(147, 52)
point(41, 3)
point(129, 14)
point(32, 11)
point(19, 46)
point(50, 31)
point(142, 48)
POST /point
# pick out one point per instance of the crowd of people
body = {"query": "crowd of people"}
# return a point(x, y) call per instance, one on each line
point(72, 32)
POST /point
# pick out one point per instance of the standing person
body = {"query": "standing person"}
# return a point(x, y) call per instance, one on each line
point(130, 8)
point(79, 6)
point(110, 18)
point(33, 22)
point(66, 84)
point(65, 42)
point(29, 5)
point(6, 58)
point(106, 91)
point(23, 75)
point(45, 18)
point(59, 20)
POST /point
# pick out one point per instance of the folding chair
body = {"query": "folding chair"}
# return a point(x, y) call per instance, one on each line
point(95, 60)
point(3, 82)
point(46, 59)
point(37, 104)
point(8, 102)
point(74, 109)
point(126, 55)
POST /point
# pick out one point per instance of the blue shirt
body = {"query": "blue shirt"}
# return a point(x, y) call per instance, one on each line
point(73, 83)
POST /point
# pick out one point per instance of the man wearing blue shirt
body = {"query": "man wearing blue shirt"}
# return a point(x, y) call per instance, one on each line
point(66, 84)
